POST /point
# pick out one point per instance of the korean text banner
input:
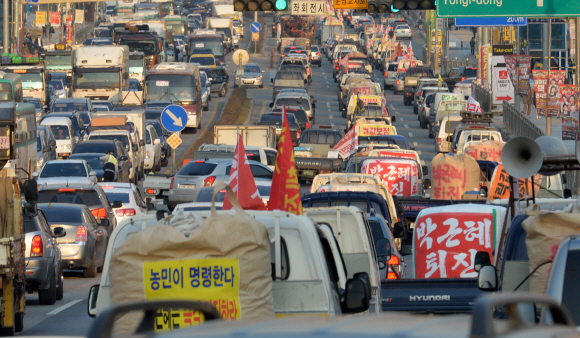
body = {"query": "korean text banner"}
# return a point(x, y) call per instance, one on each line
point(40, 19)
point(445, 243)
point(541, 88)
point(524, 70)
point(375, 130)
point(214, 280)
point(569, 111)
point(349, 143)
point(452, 176)
point(55, 19)
point(388, 153)
point(500, 185)
point(556, 80)
point(400, 175)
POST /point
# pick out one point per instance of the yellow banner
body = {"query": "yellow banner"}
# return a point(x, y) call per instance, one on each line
point(375, 130)
point(351, 4)
point(40, 19)
point(214, 280)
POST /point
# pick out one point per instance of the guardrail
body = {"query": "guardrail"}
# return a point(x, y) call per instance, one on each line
point(483, 96)
point(518, 124)
point(86, 32)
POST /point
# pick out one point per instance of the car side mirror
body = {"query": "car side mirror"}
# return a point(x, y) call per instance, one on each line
point(58, 232)
point(30, 190)
point(104, 222)
point(157, 141)
point(399, 230)
point(142, 143)
point(35, 174)
point(425, 170)
point(314, 105)
point(92, 174)
point(481, 259)
point(52, 143)
point(117, 204)
point(393, 119)
point(272, 80)
point(271, 104)
point(487, 278)
point(450, 138)
point(123, 158)
point(483, 192)
point(426, 183)
point(47, 149)
point(356, 296)
point(92, 302)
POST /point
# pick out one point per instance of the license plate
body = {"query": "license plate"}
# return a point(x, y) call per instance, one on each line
point(165, 193)
point(63, 155)
point(248, 81)
point(187, 186)
point(309, 173)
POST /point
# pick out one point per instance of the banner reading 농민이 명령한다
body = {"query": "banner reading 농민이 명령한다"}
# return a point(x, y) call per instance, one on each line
point(569, 111)
point(556, 80)
point(541, 88)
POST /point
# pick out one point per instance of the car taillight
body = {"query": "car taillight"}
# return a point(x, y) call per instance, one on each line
point(419, 94)
point(100, 213)
point(316, 54)
point(308, 70)
point(462, 78)
point(386, 74)
point(325, 171)
point(151, 191)
point(454, 151)
point(307, 125)
point(391, 275)
point(81, 234)
point(424, 109)
point(336, 67)
point(298, 134)
point(36, 248)
point(125, 212)
point(171, 185)
point(282, 55)
point(398, 82)
point(309, 58)
point(439, 140)
point(393, 261)
point(208, 182)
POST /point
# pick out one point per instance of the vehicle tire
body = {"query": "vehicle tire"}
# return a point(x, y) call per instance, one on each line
point(320, 64)
point(235, 85)
point(343, 114)
point(91, 271)
point(415, 110)
point(19, 322)
point(261, 86)
point(60, 288)
point(223, 91)
point(206, 108)
point(48, 296)
point(209, 97)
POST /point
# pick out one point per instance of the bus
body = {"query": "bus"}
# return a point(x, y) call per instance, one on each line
point(148, 10)
point(58, 61)
point(23, 135)
point(208, 41)
point(166, 7)
point(179, 83)
point(10, 87)
point(176, 25)
point(33, 80)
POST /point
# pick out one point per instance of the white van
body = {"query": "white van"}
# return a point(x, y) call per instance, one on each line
point(477, 135)
point(309, 283)
point(354, 236)
point(445, 132)
point(64, 134)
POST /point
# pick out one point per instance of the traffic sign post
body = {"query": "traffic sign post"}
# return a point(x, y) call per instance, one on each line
point(503, 8)
point(174, 141)
point(174, 118)
point(255, 27)
point(491, 22)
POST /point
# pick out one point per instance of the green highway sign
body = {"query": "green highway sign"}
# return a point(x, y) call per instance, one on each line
point(503, 8)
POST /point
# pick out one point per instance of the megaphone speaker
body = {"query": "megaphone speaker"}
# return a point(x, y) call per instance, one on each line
point(522, 157)
point(552, 147)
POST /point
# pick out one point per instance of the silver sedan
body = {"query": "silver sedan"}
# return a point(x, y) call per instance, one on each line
point(250, 75)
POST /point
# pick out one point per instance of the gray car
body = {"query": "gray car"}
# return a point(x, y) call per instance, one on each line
point(399, 85)
point(195, 175)
point(43, 257)
point(85, 241)
point(45, 145)
point(249, 75)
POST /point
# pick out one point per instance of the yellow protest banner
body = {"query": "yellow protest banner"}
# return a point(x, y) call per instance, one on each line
point(214, 280)
point(375, 130)
point(350, 4)
point(40, 19)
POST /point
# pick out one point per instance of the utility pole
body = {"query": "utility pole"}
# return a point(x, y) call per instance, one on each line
point(548, 117)
point(5, 26)
point(445, 45)
point(436, 54)
point(518, 47)
point(478, 52)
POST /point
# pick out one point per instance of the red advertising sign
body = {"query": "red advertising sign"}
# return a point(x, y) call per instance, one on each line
point(484, 64)
point(362, 90)
point(55, 19)
point(68, 32)
point(446, 243)
point(400, 175)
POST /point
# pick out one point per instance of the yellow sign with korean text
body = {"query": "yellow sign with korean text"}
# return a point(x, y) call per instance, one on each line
point(375, 130)
point(350, 4)
point(214, 280)
point(40, 19)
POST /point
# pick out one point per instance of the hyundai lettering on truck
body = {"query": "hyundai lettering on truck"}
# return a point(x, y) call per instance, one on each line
point(181, 84)
point(100, 72)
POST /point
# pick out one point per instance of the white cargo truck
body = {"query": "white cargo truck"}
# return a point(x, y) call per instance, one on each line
point(100, 72)
point(259, 136)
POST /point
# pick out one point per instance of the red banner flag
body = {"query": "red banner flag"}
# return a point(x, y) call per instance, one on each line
point(285, 191)
point(242, 182)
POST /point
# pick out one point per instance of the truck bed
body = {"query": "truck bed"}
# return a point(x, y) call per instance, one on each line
point(430, 295)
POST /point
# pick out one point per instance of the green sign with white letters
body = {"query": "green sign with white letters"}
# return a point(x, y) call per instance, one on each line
point(503, 8)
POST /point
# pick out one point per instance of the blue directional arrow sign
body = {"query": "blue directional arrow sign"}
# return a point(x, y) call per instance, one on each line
point(485, 22)
point(174, 118)
point(255, 27)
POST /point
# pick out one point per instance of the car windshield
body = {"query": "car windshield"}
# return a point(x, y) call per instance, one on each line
point(59, 169)
point(196, 168)
point(251, 69)
point(95, 161)
point(57, 85)
point(300, 115)
point(570, 294)
point(293, 101)
point(98, 147)
point(35, 102)
point(59, 107)
point(213, 43)
point(122, 197)
point(174, 87)
point(202, 60)
point(88, 197)
point(449, 126)
point(60, 215)
point(60, 132)
point(147, 47)
point(123, 138)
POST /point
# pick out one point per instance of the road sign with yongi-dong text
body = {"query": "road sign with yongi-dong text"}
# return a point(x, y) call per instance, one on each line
point(503, 8)
point(490, 22)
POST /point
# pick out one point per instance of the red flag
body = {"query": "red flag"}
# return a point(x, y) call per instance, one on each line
point(285, 191)
point(242, 182)
point(410, 52)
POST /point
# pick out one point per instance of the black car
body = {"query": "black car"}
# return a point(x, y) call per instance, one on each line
point(458, 74)
point(96, 161)
point(219, 79)
point(104, 146)
point(275, 119)
point(300, 115)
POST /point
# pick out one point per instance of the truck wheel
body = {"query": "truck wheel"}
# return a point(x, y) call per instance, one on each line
point(206, 108)
point(48, 296)
point(91, 271)
point(223, 91)
point(60, 288)
point(19, 322)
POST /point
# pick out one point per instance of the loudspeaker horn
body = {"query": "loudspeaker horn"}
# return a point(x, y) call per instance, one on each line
point(522, 157)
point(552, 147)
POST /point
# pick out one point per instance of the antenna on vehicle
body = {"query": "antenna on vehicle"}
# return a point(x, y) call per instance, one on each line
point(67, 182)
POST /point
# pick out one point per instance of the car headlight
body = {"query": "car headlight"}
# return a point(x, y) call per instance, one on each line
point(66, 146)
point(40, 162)
point(147, 155)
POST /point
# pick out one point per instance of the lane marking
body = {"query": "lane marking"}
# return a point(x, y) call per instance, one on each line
point(327, 87)
point(392, 107)
point(415, 144)
point(328, 104)
point(410, 134)
point(330, 117)
point(332, 124)
point(263, 109)
point(406, 126)
point(419, 152)
point(396, 112)
point(64, 307)
point(422, 162)
point(401, 119)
